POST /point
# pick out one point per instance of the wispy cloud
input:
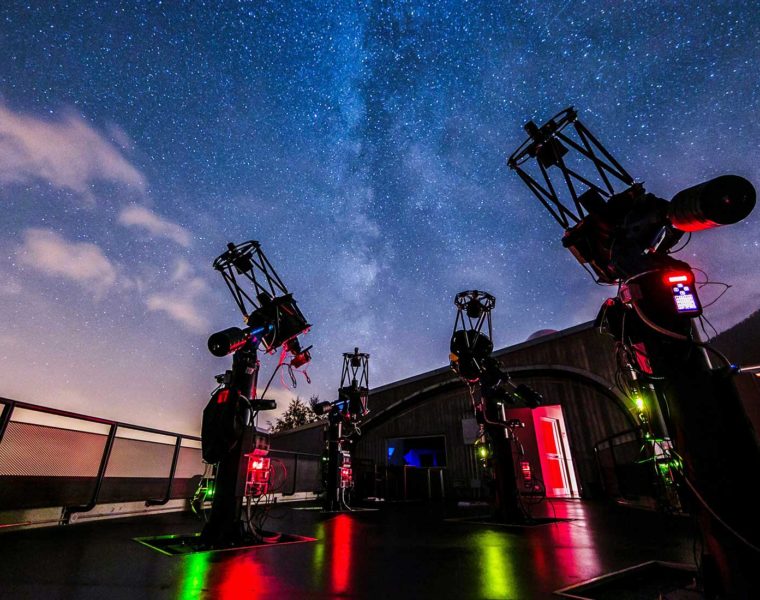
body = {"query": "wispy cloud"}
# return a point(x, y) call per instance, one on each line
point(181, 302)
point(156, 225)
point(48, 252)
point(67, 153)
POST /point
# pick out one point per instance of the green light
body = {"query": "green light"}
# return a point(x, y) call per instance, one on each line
point(639, 403)
point(210, 491)
point(498, 579)
point(196, 568)
point(318, 558)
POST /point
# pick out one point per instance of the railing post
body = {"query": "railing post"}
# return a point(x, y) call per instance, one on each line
point(5, 418)
point(172, 471)
point(69, 510)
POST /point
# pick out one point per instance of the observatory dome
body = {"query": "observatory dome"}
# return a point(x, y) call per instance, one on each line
point(540, 333)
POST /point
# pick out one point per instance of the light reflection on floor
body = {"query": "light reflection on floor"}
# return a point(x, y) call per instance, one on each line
point(397, 553)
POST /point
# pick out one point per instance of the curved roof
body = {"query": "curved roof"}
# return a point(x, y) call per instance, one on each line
point(544, 370)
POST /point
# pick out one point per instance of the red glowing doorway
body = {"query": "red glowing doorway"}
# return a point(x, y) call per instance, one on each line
point(554, 452)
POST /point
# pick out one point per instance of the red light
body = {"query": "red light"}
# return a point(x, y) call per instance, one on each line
point(677, 278)
point(300, 359)
point(345, 476)
point(525, 468)
point(239, 345)
point(257, 481)
point(223, 397)
point(342, 553)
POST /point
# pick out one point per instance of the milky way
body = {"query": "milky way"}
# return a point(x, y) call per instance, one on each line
point(363, 144)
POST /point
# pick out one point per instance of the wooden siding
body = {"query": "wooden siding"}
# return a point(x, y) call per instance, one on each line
point(426, 406)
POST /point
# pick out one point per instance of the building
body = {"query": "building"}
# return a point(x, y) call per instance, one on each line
point(417, 441)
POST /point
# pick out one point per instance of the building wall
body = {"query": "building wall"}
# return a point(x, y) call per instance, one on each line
point(307, 439)
point(441, 414)
point(574, 368)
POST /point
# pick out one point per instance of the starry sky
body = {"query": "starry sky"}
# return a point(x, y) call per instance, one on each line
point(363, 144)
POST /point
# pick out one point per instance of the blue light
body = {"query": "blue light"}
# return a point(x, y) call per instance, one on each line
point(412, 458)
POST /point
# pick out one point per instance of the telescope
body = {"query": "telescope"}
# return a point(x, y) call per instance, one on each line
point(611, 223)
point(271, 312)
point(470, 358)
point(470, 344)
point(343, 417)
point(625, 236)
point(228, 439)
point(724, 200)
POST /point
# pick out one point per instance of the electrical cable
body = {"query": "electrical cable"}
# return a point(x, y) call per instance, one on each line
point(270, 380)
point(727, 287)
point(292, 376)
point(706, 320)
point(686, 243)
point(707, 281)
point(594, 277)
point(652, 325)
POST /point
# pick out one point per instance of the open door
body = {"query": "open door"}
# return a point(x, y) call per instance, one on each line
point(554, 452)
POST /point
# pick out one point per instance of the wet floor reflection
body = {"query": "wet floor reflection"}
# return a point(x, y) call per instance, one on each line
point(318, 557)
point(341, 532)
point(573, 551)
point(333, 555)
point(227, 576)
point(195, 569)
point(495, 560)
point(242, 577)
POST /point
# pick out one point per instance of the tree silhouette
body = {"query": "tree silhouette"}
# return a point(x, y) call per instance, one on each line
point(298, 413)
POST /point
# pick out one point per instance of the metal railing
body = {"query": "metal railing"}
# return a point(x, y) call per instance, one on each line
point(303, 471)
point(622, 474)
point(9, 406)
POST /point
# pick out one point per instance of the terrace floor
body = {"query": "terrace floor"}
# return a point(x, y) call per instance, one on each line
point(399, 551)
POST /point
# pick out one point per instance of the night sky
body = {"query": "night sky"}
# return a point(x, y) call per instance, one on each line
point(363, 144)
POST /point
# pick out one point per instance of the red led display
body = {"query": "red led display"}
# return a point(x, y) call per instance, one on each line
point(526, 473)
point(677, 278)
point(257, 481)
